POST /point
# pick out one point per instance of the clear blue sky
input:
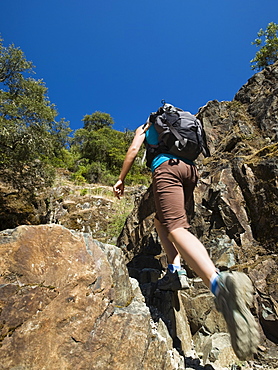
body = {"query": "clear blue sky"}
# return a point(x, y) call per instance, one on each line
point(123, 56)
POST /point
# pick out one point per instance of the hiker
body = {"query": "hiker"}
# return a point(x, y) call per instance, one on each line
point(174, 179)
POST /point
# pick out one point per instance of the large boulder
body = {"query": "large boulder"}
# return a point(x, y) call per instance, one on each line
point(67, 302)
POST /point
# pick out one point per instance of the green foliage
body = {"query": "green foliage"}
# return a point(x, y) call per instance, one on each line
point(104, 151)
point(98, 173)
point(97, 121)
point(78, 176)
point(60, 132)
point(120, 210)
point(30, 138)
point(12, 63)
point(83, 192)
point(66, 158)
point(268, 42)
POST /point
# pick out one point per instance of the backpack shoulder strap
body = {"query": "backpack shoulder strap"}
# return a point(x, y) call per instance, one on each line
point(181, 140)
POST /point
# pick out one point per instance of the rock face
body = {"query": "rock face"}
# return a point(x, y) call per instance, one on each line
point(260, 94)
point(68, 301)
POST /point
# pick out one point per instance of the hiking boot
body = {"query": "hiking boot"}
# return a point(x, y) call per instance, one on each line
point(233, 301)
point(173, 281)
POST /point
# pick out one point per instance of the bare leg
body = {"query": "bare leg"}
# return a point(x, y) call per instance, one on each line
point(173, 256)
point(194, 253)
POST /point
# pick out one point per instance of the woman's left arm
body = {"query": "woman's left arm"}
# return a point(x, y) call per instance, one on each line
point(131, 154)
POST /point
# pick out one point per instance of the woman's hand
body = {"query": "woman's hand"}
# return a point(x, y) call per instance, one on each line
point(118, 189)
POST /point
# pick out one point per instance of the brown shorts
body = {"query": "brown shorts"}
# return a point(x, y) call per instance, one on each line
point(173, 185)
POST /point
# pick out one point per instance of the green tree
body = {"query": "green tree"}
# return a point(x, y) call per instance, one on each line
point(268, 42)
point(60, 132)
point(102, 153)
point(106, 146)
point(97, 120)
point(29, 135)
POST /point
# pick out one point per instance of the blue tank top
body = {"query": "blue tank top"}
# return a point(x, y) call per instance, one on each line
point(152, 139)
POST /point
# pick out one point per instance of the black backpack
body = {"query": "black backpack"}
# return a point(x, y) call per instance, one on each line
point(180, 134)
